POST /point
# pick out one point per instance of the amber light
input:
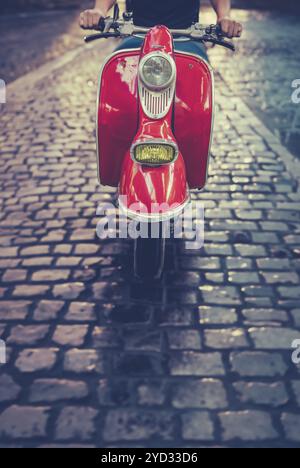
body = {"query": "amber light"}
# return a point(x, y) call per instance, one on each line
point(154, 154)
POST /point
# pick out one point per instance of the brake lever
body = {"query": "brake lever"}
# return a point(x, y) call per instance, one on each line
point(227, 45)
point(220, 42)
point(116, 14)
point(216, 30)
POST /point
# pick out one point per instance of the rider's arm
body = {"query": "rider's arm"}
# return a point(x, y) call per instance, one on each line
point(223, 9)
point(104, 5)
point(90, 18)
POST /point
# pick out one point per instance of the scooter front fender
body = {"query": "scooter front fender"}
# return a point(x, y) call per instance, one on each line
point(153, 192)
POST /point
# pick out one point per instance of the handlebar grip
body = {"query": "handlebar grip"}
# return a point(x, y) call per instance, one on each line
point(94, 37)
point(91, 38)
point(218, 41)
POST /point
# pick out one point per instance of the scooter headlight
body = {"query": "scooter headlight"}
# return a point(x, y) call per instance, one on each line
point(157, 71)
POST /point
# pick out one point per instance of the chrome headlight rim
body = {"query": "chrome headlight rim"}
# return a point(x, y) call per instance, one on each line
point(171, 62)
point(154, 142)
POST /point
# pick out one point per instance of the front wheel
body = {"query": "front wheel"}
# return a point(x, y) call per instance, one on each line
point(149, 255)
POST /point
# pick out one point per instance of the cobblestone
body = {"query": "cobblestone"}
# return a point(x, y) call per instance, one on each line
point(184, 339)
point(130, 425)
point(251, 250)
point(291, 424)
point(30, 291)
point(14, 276)
point(35, 251)
point(296, 390)
point(247, 426)
point(218, 295)
point(115, 393)
point(217, 315)
point(272, 338)
point(296, 316)
point(252, 364)
point(22, 422)
point(204, 394)
point(70, 335)
point(289, 292)
point(226, 338)
point(54, 390)
point(68, 291)
point(197, 425)
point(48, 310)
point(81, 312)
point(76, 423)
point(239, 277)
point(265, 315)
point(192, 363)
point(262, 393)
point(9, 389)
point(14, 310)
point(27, 334)
point(33, 360)
point(46, 276)
point(151, 393)
point(105, 338)
point(274, 264)
point(83, 361)
point(281, 278)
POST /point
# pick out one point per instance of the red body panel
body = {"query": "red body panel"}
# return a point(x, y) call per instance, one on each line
point(117, 114)
point(193, 117)
point(121, 122)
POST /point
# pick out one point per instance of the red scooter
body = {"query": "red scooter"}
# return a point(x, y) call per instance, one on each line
point(154, 127)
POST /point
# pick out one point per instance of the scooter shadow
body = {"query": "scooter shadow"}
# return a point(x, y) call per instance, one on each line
point(126, 297)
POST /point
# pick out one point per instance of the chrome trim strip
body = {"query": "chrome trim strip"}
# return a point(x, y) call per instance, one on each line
point(159, 217)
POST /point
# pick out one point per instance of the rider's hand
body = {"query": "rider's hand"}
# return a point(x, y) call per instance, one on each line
point(89, 19)
point(230, 28)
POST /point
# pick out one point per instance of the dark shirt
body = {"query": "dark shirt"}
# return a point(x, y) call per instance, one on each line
point(176, 14)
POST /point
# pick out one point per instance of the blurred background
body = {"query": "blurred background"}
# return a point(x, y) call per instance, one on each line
point(40, 4)
point(262, 70)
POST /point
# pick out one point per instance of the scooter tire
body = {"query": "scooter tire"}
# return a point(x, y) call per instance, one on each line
point(149, 257)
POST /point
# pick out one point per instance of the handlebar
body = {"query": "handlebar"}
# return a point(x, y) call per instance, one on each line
point(126, 28)
point(94, 37)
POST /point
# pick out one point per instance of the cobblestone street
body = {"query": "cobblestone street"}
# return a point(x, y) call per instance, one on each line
point(95, 359)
